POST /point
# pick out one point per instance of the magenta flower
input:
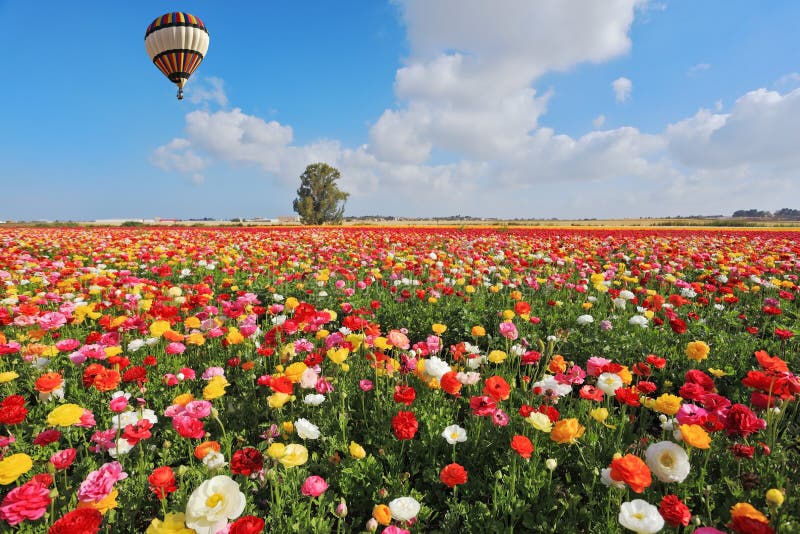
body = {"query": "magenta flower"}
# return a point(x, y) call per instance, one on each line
point(314, 486)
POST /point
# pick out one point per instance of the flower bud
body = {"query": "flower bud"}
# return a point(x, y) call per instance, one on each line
point(775, 498)
point(341, 509)
point(372, 524)
point(551, 464)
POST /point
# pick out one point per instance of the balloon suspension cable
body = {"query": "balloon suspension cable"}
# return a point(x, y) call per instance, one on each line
point(180, 93)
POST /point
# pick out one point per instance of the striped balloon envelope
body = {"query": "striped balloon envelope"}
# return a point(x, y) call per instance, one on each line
point(177, 43)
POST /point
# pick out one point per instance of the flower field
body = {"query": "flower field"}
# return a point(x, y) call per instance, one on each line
point(398, 380)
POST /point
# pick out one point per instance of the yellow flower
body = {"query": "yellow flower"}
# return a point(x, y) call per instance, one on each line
point(625, 375)
point(172, 524)
point(695, 436)
point(215, 388)
point(65, 415)
point(697, 350)
point(567, 431)
point(381, 342)
point(497, 356)
point(295, 371)
point(234, 337)
point(540, 421)
point(294, 455)
point(8, 376)
point(14, 466)
point(586, 305)
point(113, 351)
point(356, 340)
point(667, 404)
point(599, 414)
point(192, 322)
point(109, 502)
point(183, 399)
point(158, 328)
point(478, 331)
point(195, 339)
point(338, 356)
point(717, 373)
point(288, 427)
point(278, 399)
point(438, 328)
point(291, 303)
point(321, 334)
point(775, 497)
point(276, 450)
point(357, 451)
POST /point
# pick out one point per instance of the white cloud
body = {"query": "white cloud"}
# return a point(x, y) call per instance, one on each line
point(697, 69)
point(622, 88)
point(202, 90)
point(788, 81)
point(599, 121)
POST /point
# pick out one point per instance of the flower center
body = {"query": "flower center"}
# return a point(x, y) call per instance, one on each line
point(639, 515)
point(454, 435)
point(214, 500)
point(667, 460)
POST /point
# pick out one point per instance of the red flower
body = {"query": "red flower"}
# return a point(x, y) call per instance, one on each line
point(450, 384)
point(188, 427)
point(248, 524)
point(678, 325)
point(482, 406)
point(453, 474)
point(674, 511)
point(627, 396)
point(591, 393)
point(138, 431)
point(404, 394)
point(247, 461)
point(741, 421)
point(522, 445)
point(405, 425)
point(497, 388)
point(655, 361)
point(46, 437)
point(162, 481)
point(13, 410)
point(740, 451)
point(783, 333)
point(83, 520)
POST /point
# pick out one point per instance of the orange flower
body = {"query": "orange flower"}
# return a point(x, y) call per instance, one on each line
point(450, 384)
point(567, 431)
point(382, 514)
point(49, 382)
point(695, 436)
point(557, 364)
point(106, 379)
point(173, 336)
point(632, 471)
point(771, 363)
point(745, 519)
point(204, 448)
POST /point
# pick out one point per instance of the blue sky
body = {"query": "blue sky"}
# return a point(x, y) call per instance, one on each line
point(514, 108)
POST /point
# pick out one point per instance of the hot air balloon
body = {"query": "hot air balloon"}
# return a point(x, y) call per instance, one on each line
point(177, 43)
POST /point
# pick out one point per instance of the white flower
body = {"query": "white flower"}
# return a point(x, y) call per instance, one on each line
point(213, 503)
point(121, 446)
point(605, 478)
point(474, 362)
point(585, 319)
point(688, 293)
point(150, 341)
point(135, 345)
point(454, 434)
point(551, 464)
point(627, 295)
point(638, 320)
point(214, 460)
point(404, 508)
point(306, 429)
point(719, 307)
point(436, 368)
point(314, 399)
point(552, 387)
point(640, 516)
point(619, 303)
point(668, 461)
point(277, 297)
point(609, 383)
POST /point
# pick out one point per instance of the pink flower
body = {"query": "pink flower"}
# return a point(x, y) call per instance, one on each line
point(690, 414)
point(69, 344)
point(499, 418)
point(398, 339)
point(509, 330)
point(198, 409)
point(87, 419)
point(323, 386)
point(391, 529)
point(595, 364)
point(29, 501)
point(314, 486)
point(211, 372)
point(99, 484)
point(63, 459)
point(365, 384)
point(175, 348)
point(118, 404)
point(174, 410)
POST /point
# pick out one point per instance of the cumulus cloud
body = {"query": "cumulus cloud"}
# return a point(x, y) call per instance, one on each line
point(622, 88)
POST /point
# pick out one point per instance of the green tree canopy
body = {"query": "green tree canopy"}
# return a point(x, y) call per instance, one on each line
point(319, 200)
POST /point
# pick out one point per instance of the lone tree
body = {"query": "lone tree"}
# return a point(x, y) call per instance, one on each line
point(318, 197)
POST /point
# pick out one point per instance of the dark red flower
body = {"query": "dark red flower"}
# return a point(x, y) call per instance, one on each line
point(46, 437)
point(404, 394)
point(247, 461)
point(741, 421)
point(248, 524)
point(13, 410)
